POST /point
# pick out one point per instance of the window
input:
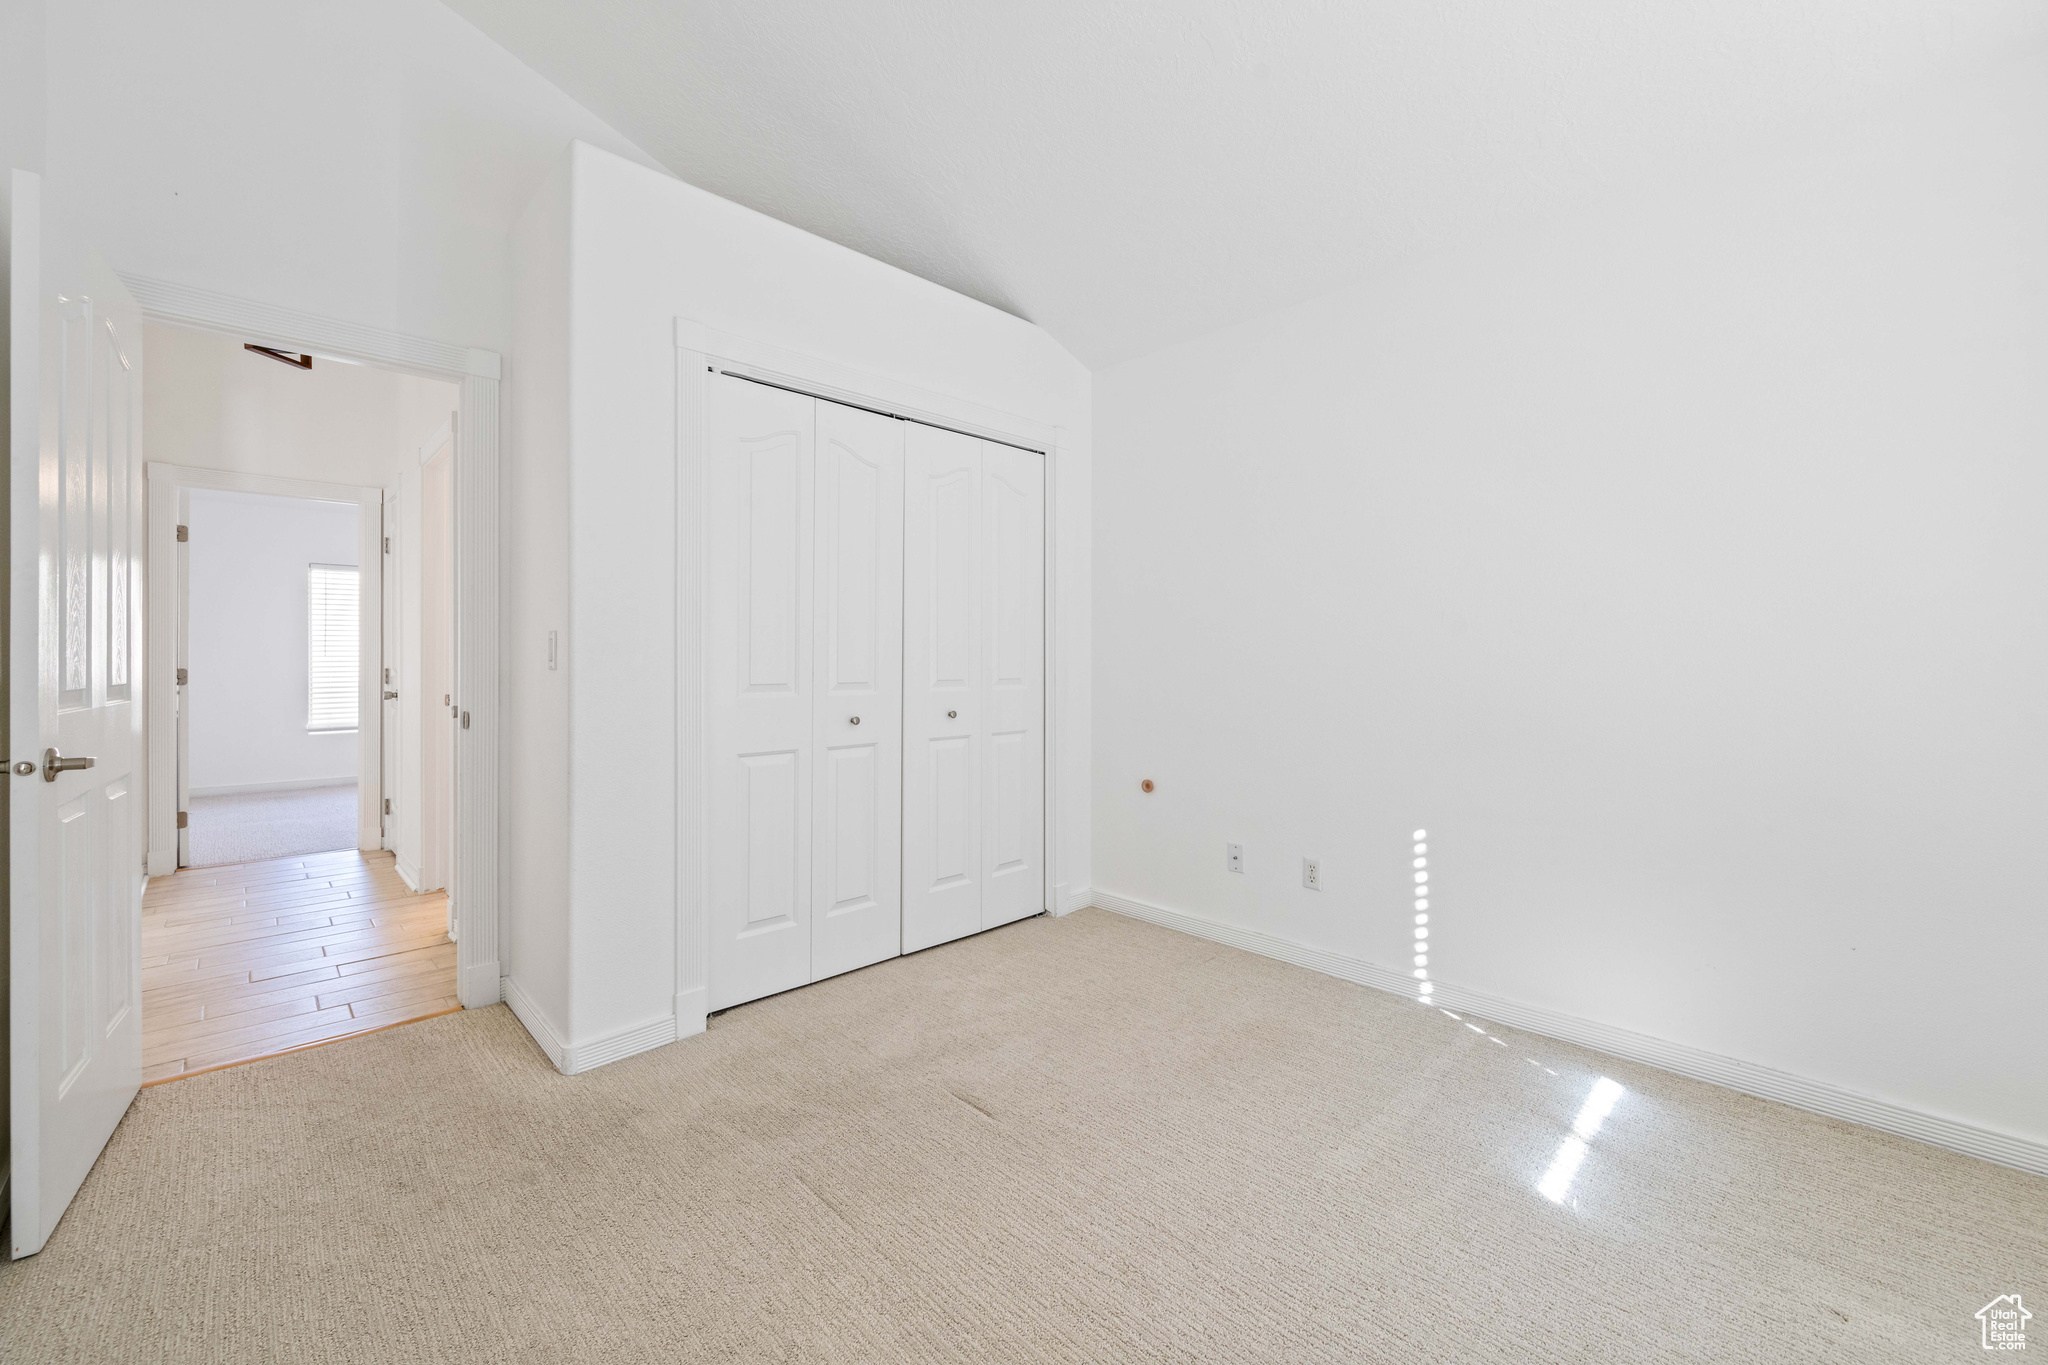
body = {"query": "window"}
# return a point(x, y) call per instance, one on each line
point(332, 685)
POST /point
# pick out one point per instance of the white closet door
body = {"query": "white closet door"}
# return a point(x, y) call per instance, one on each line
point(1012, 730)
point(760, 682)
point(942, 686)
point(974, 686)
point(857, 810)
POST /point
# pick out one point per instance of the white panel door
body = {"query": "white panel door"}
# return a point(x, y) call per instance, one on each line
point(942, 686)
point(75, 819)
point(974, 686)
point(437, 678)
point(759, 685)
point(857, 803)
point(1012, 712)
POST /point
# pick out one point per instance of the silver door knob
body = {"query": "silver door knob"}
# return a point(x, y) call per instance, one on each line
point(53, 764)
point(952, 715)
point(854, 721)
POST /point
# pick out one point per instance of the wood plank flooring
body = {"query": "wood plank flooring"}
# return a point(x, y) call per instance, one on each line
point(253, 960)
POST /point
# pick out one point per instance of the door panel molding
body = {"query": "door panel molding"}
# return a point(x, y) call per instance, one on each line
point(761, 636)
point(945, 686)
point(857, 825)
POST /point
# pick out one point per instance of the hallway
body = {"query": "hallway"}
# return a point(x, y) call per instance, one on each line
point(252, 960)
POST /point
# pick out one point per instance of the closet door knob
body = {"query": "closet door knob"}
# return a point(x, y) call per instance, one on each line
point(952, 715)
point(854, 721)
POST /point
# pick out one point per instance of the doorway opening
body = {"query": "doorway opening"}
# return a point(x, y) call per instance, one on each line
point(312, 616)
point(270, 662)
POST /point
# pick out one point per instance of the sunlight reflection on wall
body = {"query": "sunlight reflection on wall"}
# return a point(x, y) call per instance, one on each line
point(1424, 987)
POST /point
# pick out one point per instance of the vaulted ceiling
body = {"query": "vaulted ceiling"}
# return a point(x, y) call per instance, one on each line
point(1128, 173)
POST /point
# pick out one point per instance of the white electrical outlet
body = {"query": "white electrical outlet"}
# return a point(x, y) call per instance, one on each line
point(1233, 857)
point(1311, 874)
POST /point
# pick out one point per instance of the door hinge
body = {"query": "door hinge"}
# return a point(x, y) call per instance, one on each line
point(182, 818)
point(387, 805)
point(387, 544)
point(184, 534)
point(181, 677)
point(387, 677)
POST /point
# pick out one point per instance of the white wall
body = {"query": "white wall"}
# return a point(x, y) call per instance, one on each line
point(22, 95)
point(360, 161)
point(247, 562)
point(210, 404)
point(533, 882)
point(644, 249)
point(1678, 566)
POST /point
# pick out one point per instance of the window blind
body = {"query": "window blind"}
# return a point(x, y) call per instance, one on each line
point(333, 641)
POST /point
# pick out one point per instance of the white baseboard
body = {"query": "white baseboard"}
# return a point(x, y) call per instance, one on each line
point(571, 1059)
point(479, 986)
point(1750, 1078)
point(409, 876)
point(1068, 899)
point(691, 1011)
point(250, 788)
point(584, 1056)
point(529, 1014)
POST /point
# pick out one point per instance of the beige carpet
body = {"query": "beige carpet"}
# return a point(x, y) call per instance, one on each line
point(250, 827)
point(1076, 1140)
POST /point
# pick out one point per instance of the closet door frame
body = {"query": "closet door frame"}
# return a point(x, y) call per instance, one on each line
point(702, 352)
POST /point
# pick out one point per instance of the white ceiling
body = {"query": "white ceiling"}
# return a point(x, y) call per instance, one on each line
point(1128, 173)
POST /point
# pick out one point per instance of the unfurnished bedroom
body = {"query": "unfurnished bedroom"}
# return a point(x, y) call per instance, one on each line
point(1119, 682)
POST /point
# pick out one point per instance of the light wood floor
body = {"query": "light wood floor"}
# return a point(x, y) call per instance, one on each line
point(250, 961)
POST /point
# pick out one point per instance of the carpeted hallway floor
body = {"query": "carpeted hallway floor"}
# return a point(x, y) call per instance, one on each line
point(251, 827)
point(1077, 1140)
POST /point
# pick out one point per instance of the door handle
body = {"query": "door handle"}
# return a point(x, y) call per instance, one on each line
point(53, 764)
point(854, 721)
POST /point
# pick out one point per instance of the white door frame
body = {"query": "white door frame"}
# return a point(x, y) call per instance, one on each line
point(435, 855)
point(475, 872)
point(168, 641)
point(700, 352)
